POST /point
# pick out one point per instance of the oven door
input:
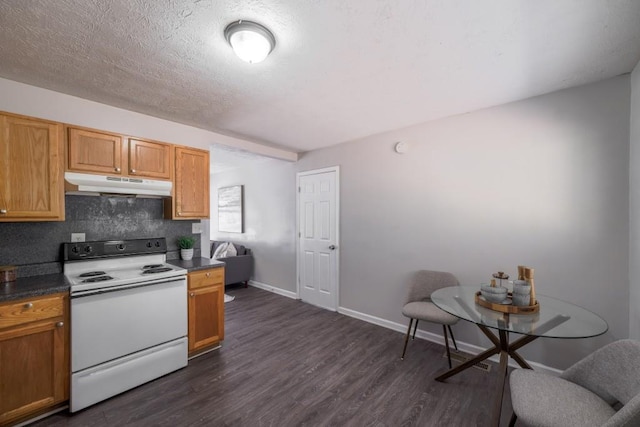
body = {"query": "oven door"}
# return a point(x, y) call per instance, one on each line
point(110, 324)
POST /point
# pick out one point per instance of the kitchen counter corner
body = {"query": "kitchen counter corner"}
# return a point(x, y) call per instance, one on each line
point(28, 287)
point(196, 264)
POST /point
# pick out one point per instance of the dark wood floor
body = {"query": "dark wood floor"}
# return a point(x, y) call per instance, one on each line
point(287, 363)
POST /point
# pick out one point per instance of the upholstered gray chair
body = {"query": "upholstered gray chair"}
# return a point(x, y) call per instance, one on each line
point(419, 305)
point(603, 389)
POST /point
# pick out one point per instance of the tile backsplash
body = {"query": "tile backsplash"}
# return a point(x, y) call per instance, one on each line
point(35, 247)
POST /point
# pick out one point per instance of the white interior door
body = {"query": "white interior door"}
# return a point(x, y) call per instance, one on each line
point(318, 237)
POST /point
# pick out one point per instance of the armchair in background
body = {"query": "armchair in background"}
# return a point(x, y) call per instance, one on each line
point(238, 268)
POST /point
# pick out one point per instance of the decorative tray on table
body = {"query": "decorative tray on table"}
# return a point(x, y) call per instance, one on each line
point(507, 308)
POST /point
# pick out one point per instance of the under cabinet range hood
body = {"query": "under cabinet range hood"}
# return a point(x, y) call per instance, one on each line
point(84, 183)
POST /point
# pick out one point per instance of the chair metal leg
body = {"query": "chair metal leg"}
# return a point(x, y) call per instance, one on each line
point(452, 338)
point(406, 339)
point(415, 328)
point(512, 422)
point(446, 343)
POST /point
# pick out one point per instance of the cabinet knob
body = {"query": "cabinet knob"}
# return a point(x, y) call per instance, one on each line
point(192, 295)
point(133, 171)
point(117, 169)
point(3, 211)
point(60, 324)
point(28, 305)
point(208, 274)
point(179, 213)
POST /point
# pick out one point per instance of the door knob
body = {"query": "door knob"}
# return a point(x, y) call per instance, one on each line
point(60, 324)
point(332, 247)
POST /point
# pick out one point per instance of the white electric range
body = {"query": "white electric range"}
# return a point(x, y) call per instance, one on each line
point(128, 316)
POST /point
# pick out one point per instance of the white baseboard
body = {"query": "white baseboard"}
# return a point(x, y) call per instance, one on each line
point(439, 339)
point(273, 289)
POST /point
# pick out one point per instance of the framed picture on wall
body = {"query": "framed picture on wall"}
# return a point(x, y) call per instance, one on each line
point(230, 209)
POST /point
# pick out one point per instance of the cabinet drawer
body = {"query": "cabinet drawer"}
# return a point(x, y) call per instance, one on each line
point(199, 279)
point(29, 310)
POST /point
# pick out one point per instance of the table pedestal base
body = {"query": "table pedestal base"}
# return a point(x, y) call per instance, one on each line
point(500, 346)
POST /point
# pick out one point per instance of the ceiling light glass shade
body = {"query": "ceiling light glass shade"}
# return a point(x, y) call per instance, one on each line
point(250, 41)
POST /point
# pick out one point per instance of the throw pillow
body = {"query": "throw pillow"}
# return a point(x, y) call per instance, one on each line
point(231, 250)
point(225, 250)
point(220, 250)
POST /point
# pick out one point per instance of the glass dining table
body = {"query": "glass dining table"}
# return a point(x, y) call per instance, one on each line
point(555, 319)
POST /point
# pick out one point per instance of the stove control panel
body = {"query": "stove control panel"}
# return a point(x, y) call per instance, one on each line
point(113, 248)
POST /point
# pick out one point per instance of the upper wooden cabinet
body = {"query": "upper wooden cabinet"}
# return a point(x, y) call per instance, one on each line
point(191, 190)
point(149, 159)
point(31, 169)
point(106, 153)
point(95, 152)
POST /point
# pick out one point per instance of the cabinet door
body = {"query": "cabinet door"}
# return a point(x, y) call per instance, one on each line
point(149, 159)
point(206, 317)
point(95, 152)
point(192, 184)
point(33, 368)
point(31, 170)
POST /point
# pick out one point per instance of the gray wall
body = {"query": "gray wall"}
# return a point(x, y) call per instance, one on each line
point(36, 246)
point(269, 217)
point(541, 182)
point(634, 202)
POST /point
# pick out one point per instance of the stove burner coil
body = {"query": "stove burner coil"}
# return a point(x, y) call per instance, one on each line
point(97, 279)
point(157, 270)
point(93, 274)
point(146, 267)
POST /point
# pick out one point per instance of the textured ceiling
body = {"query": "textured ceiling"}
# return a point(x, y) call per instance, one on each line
point(341, 70)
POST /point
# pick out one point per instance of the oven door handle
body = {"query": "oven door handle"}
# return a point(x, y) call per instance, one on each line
point(80, 294)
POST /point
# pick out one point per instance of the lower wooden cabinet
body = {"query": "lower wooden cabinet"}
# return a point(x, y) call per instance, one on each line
point(34, 356)
point(206, 309)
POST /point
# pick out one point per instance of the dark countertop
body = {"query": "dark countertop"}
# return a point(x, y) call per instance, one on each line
point(34, 286)
point(196, 263)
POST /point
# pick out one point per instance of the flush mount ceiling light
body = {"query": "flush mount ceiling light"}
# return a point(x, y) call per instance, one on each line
point(252, 42)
